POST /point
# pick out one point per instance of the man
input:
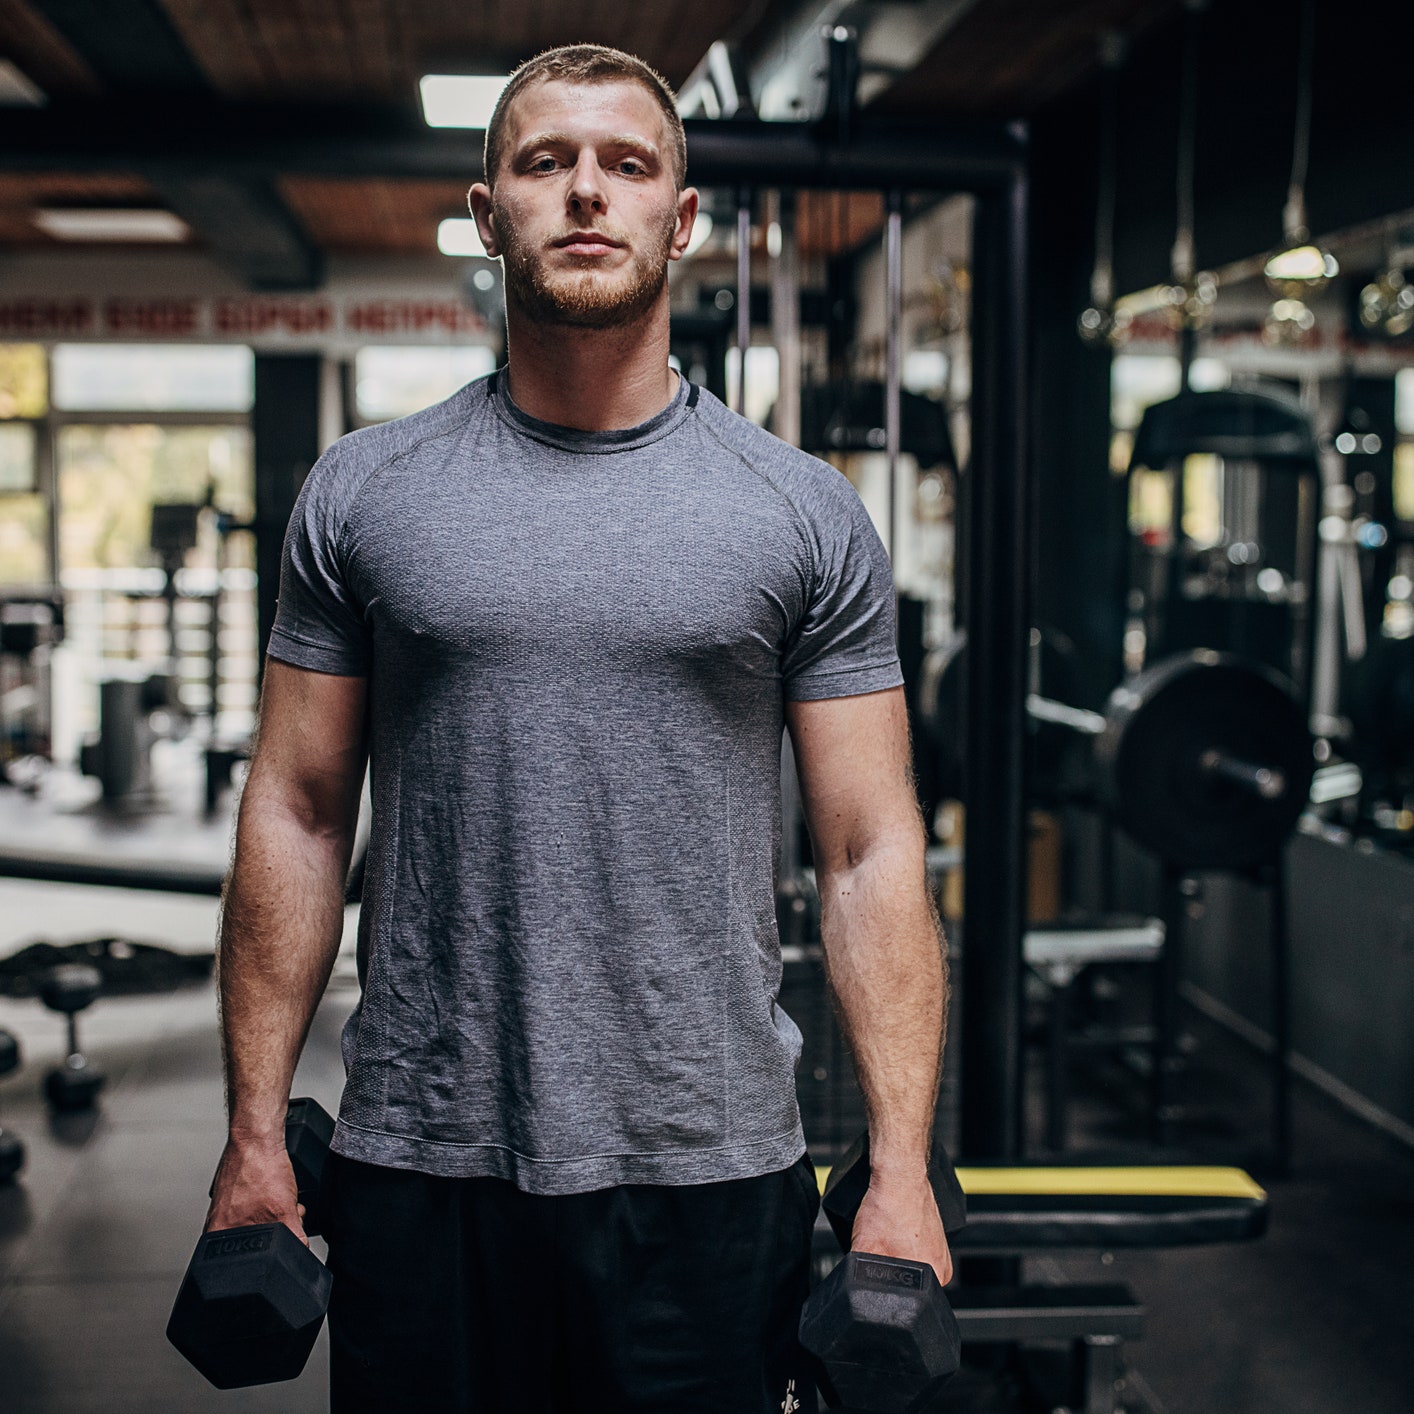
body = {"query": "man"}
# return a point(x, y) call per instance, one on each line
point(568, 612)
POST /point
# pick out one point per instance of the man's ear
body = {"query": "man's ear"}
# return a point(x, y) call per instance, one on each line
point(478, 200)
point(687, 214)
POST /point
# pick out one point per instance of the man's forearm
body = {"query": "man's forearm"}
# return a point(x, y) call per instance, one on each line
point(887, 965)
point(280, 928)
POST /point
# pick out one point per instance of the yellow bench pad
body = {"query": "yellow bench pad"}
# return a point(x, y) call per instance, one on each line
point(1169, 1181)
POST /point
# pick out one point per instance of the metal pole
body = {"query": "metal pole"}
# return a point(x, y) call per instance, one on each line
point(1274, 877)
point(998, 618)
point(743, 292)
point(893, 353)
point(785, 321)
point(785, 334)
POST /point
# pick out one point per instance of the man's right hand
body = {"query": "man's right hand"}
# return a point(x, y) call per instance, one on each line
point(255, 1184)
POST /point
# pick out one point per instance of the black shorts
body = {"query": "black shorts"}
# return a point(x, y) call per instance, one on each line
point(469, 1295)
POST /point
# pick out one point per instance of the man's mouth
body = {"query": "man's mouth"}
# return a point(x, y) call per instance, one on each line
point(586, 243)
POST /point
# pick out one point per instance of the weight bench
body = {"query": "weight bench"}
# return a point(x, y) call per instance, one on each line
point(1022, 1211)
point(1057, 953)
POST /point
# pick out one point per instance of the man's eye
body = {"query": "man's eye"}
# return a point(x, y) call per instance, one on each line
point(633, 167)
point(543, 164)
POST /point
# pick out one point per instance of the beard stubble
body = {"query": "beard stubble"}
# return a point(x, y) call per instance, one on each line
point(586, 298)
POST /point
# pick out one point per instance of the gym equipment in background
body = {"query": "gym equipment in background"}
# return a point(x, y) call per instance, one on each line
point(1204, 758)
point(70, 988)
point(1206, 761)
point(1033, 1210)
point(29, 630)
point(121, 754)
point(1246, 583)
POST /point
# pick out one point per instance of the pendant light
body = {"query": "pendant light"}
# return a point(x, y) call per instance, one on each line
point(1099, 323)
point(1387, 302)
point(1299, 268)
point(1189, 299)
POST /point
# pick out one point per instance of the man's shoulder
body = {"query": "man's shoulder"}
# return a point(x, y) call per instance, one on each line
point(808, 482)
point(766, 453)
point(358, 454)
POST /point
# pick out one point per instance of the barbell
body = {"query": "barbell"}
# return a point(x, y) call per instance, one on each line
point(1205, 758)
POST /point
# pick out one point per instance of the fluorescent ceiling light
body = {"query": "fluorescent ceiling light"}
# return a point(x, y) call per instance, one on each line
point(458, 236)
point(68, 223)
point(17, 89)
point(701, 231)
point(460, 100)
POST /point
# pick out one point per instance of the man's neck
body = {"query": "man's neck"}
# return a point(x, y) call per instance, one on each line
point(596, 380)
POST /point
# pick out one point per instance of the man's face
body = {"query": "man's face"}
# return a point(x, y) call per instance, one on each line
point(585, 213)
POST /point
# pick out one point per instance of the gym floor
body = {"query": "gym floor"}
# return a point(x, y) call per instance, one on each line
point(1316, 1318)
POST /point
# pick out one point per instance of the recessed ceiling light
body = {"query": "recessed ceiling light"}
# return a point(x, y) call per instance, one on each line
point(17, 89)
point(460, 100)
point(70, 223)
point(458, 236)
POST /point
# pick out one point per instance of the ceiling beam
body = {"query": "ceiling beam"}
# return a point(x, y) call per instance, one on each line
point(246, 225)
point(247, 140)
point(130, 44)
point(134, 49)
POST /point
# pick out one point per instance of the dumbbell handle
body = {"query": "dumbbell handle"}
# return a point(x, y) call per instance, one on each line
point(1266, 781)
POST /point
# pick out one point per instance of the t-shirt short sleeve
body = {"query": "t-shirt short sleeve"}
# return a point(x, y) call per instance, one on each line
point(846, 642)
point(319, 623)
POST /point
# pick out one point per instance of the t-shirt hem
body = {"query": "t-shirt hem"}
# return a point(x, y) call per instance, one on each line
point(300, 653)
point(558, 1177)
point(844, 682)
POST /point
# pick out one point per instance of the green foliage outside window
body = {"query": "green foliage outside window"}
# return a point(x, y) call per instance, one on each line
point(24, 381)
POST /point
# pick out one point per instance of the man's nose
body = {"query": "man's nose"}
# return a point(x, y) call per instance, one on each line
point(587, 191)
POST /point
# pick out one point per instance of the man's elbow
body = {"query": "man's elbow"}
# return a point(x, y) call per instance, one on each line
point(890, 848)
point(320, 808)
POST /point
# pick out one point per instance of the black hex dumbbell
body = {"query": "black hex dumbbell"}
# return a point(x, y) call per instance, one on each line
point(881, 1328)
point(69, 988)
point(12, 1152)
point(250, 1306)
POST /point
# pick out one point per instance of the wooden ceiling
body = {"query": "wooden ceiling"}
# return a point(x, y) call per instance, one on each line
point(1009, 57)
point(379, 48)
point(353, 216)
point(1002, 58)
point(23, 193)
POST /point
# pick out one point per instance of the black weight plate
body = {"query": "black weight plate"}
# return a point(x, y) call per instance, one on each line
point(941, 714)
point(1160, 725)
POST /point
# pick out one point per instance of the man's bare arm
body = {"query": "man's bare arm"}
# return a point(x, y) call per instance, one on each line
point(281, 921)
point(883, 948)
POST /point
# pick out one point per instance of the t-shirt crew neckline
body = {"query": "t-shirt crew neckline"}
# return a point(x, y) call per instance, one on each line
point(576, 439)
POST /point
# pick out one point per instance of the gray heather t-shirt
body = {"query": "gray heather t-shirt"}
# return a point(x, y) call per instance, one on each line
point(578, 646)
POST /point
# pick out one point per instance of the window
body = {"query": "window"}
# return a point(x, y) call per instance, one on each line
point(24, 381)
point(110, 477)
point(153, 377)
point(17, 469)
point(393, 382)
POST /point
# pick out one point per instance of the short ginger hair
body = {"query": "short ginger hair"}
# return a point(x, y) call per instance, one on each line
point(586, 63)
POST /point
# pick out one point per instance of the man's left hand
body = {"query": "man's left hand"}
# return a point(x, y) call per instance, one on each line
point(899, 1218)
